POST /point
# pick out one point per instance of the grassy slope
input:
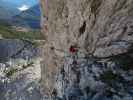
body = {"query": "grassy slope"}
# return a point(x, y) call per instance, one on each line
point(9, 33)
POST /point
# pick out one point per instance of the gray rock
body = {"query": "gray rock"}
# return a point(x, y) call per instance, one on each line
point(102, 28)
point(20, 77)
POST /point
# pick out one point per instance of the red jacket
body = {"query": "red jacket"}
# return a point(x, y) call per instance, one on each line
point(72, 49)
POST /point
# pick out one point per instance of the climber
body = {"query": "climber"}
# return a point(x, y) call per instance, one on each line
point(73, 51)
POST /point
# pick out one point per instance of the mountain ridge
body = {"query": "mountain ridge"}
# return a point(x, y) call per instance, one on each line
point(29, 18)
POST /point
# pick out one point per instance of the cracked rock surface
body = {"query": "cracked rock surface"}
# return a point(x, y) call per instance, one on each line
point(100, 28)
point(20, 71)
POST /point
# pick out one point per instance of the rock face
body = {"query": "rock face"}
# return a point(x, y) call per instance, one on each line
point(20, 70)
point(89, 79)
point(90, 24)
point(100, 28)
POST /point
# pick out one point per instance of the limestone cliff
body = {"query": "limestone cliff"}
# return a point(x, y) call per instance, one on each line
point(20, 70)
point(100, 28)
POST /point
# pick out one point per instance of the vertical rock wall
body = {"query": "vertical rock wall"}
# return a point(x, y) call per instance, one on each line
point(100, 27)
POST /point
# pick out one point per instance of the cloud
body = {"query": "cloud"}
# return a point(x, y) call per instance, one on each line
point(23, 7)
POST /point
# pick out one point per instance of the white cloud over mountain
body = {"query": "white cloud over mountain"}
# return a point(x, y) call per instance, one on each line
point(23, 7)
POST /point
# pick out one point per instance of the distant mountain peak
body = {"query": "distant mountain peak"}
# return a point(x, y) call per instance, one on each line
point(28, 18)
point(23, 7)
point(23, 16)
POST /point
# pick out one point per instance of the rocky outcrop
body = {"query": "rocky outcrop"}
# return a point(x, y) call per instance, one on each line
point(20, 70)
point(98, 28)
point(17, 49)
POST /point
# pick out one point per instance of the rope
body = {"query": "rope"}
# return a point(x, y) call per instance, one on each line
point(88, 56)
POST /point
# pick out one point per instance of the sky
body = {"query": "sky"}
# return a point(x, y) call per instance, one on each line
point(22, 4)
